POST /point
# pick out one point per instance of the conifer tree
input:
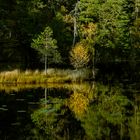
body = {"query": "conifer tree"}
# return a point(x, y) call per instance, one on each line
point(46, 46)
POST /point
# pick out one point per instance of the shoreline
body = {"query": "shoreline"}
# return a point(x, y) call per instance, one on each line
point(39, 77)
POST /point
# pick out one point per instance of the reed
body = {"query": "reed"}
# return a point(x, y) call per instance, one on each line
point(36, 77)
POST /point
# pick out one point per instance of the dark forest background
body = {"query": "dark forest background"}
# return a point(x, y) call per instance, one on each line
point(111, 28)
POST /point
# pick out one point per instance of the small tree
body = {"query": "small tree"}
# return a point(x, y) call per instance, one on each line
point(79, 55)
point(47, 47)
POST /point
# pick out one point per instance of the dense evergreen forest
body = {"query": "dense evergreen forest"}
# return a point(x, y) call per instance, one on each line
point(75, 33)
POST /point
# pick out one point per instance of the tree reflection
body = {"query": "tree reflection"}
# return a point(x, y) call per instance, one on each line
point(80, 98)
point(134, 122)
point(78, 103)
point(54, 119)
point(106, 115)
point(47, 117)
point(91, 111)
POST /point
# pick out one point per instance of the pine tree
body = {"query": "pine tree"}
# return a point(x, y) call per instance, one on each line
point(47, 47)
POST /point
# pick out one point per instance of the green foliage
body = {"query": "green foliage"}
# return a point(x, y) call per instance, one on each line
point(135, 33)
point(61, 25)
point(45, 120)
point(108, 109)
point(104, 24)
point(113, 21)
point(113, 26)
point(134, 123)
point(50, 118)
point(88, 10)
point(46, 45)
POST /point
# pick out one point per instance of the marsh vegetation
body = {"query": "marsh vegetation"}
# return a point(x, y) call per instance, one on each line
point(49, 76)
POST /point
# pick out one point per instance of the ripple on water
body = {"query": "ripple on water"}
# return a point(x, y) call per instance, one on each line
point(3, 109)
point(15, 123)
point(33, 103)
point(21, 111)
point(20, 100)
point(4, 106)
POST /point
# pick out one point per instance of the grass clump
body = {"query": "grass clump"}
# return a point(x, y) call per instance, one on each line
point(52, 76)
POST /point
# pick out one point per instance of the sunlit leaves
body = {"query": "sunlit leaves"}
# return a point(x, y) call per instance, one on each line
point(78, 103)
point(88, 30)
point(79, 55)
point(68, 19)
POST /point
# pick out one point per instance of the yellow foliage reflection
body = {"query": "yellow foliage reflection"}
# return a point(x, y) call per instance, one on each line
point(78, 103)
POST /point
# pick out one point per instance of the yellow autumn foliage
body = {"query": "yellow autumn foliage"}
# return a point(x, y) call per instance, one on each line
point(79, 55)
point(78, 103)
point(88, 30)
point(68, 19)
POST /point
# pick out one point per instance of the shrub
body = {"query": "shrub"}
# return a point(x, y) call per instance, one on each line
point(79, 55)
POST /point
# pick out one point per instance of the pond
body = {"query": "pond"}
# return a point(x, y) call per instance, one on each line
point(85, 111)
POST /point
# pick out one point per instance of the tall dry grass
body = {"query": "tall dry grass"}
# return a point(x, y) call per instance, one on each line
point(52, 76)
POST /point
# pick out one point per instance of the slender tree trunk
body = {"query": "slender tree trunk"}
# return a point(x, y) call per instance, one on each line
point(75, 31)
point(45, 64)
point(75, 23)
point(93, 64)
point(45, 96)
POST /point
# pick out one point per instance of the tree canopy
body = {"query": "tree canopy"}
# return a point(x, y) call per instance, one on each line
point(110, 28)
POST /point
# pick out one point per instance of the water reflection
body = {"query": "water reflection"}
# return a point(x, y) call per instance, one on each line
point(15, 122)
point(85, 111)
point(107, 114)
point(134, 122)
point(101, 110)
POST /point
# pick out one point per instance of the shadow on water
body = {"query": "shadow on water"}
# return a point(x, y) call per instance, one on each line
point(120, 72)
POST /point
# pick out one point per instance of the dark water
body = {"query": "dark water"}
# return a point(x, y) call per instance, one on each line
point(86, 111)
point(79, 112)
